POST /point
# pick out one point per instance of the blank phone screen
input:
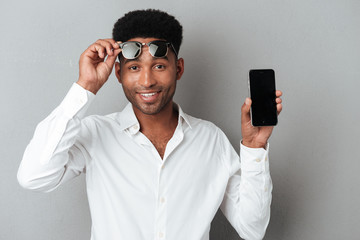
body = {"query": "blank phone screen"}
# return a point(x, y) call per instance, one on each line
point(262, 93)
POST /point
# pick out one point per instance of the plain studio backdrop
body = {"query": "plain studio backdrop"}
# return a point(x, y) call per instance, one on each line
point(314, 47)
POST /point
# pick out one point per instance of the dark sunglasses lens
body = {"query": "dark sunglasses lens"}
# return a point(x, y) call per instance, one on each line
point(158, 49)
point(131, 50)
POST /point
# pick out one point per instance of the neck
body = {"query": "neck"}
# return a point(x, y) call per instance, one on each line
point(161, 122)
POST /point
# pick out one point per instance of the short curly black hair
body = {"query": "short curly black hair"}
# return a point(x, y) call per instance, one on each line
point(149, 23)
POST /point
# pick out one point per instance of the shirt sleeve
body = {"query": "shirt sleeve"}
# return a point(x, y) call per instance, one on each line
point(54, 154)
point(247, 198)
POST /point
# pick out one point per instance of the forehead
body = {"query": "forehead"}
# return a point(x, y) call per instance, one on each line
point(143, 40)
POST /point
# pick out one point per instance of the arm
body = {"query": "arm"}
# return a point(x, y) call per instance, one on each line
point(247, 199)
point(248, 195)
point(55, 154)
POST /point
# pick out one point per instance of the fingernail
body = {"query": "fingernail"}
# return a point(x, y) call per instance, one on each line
point(247, 101)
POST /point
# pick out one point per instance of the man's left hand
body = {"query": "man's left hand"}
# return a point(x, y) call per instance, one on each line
point(256, 137)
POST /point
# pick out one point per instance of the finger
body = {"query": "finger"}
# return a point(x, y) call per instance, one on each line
point(245, 111)
point(278, 100)
point(118, 43)
point(279, 108)
point(278, 93)
point(110, 61)
point(114, 44)
point(109, 40)
point(96, 50)
point(107, 44)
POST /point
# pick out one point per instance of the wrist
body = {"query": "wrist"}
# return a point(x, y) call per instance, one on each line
point(94, 88)
point(253, 144)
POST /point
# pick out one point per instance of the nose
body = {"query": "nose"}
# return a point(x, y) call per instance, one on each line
point(147, 79)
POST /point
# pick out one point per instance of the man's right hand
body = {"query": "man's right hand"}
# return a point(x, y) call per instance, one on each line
point(94, 70)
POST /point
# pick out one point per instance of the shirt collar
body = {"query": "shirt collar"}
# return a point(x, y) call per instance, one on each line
point(127, 118)
point(182, 115)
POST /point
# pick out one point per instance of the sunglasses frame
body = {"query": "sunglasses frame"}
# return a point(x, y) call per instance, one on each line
point(140, 44)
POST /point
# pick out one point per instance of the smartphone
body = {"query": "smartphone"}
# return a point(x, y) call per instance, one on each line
point(262, 93)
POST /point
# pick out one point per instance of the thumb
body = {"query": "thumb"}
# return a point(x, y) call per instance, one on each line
point(245, 111)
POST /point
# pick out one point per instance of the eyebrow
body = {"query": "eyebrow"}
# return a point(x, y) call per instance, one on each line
point(137, 59)
point(131, 60)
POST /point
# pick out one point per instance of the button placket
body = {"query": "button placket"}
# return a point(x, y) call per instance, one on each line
point(161, 235)
point(161, 211)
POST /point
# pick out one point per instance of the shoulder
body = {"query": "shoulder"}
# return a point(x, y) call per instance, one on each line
point(100, 120)
point(207, 129)
point(202, 125)
point(216, 140)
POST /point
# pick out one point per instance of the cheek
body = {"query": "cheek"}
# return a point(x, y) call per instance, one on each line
point(169, 75)
point(129, 79)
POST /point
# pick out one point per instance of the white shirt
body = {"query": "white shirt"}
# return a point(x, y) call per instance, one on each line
point(132, 192)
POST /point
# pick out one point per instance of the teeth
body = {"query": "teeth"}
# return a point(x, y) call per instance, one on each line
point(148, 94)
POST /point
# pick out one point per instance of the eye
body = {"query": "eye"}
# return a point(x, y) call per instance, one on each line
point(159, 67)
point(133, 68)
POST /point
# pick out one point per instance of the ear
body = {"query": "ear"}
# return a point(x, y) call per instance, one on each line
point(117, 71)
point(179, 68)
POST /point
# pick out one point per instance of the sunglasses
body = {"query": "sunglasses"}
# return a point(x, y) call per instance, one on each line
point(158, 48)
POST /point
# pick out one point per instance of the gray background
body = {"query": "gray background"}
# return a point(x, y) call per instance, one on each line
point(312, 45)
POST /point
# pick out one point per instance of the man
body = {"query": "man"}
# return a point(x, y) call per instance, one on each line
point(152, 171)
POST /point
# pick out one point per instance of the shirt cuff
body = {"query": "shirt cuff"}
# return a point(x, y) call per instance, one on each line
point(76, 101)
point(254, 159)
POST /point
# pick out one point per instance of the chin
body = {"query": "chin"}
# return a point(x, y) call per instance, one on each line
point(149, 109)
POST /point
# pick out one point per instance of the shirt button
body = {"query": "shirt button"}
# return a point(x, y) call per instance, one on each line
point(266, 158)
point(258, 160)
point(161, 235)
point(162, 200)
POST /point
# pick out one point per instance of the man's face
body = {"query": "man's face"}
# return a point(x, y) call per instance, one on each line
point(149, 83)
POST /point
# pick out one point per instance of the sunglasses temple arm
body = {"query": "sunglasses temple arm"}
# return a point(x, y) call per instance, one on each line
point(172, 46)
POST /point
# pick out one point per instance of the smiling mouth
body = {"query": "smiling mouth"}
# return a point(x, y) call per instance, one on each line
point(148, 94)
